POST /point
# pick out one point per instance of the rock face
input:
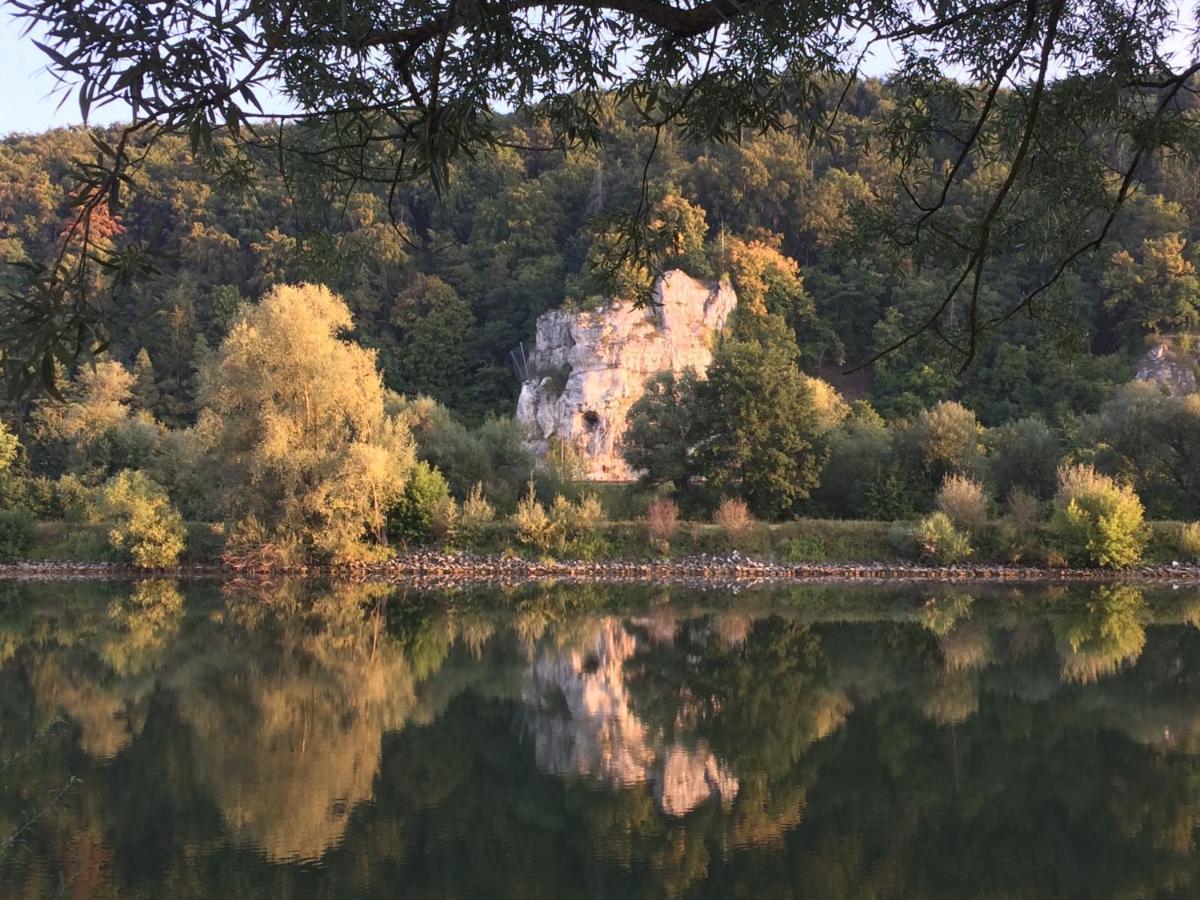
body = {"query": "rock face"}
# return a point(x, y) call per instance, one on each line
point(589, 367)
point(1171, 366)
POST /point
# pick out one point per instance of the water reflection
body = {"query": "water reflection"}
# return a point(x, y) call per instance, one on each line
point(836, 741)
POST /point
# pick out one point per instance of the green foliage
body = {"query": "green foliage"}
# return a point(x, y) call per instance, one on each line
point(1097, 521)
point(433, 326)
point(939, 541)
point(664, 428)
point(16, 534)
point(567, 528)
point(10, 448)
point(425, 510)
point(144, 526)
point(534, 527)
point(809, 548)
point(1148, 437)
point(1189, 541)
point(1024, 455)
point(860, 451)
point(760, 426)
point(945, 440)
point(475, 514)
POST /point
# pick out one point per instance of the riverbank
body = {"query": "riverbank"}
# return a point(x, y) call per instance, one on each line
point(433, 568)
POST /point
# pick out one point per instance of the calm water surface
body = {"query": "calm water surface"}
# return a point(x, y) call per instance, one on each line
point(159, 740)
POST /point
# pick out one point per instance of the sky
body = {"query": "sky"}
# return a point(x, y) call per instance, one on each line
point(31, 103)
point(32, 96)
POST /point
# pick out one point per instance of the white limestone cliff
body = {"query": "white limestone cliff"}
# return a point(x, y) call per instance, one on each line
point(589, 367)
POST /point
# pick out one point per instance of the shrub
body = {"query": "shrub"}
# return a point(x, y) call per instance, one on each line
point(1018, 529)
point(533, 524)
point(1189, 541)
point(145, 527)
point(963, 501)
point(662, 520)
point(939, 541)
point(1097, 521)
point(733, 516)
point(251, 547)
point(581, 518)
point(426, 510)
point(1023, 509)
point(16, 533)
point(474, 515)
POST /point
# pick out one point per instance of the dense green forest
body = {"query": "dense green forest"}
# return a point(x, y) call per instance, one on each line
point(464, 276)
point(443, 288)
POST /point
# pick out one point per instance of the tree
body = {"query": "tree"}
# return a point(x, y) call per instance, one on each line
point(403, 92)
point(1097, 521)
point(945, 440)
point(663, 429)
point(435, 329)
point(759, 424)
point(294, 417)
point(144, 524)
point(860, 451)
point(1160, 290)
point(1023, 454)
point(1152, 439)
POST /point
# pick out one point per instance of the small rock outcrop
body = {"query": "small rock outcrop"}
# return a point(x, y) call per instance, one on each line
point(1171, 363)
point(589, 367)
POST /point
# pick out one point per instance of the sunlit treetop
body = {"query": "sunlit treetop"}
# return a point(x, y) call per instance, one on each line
point(1051, 108)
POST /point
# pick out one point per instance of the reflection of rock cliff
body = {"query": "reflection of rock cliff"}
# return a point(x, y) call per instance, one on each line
point(583, 724)
point(588, 368)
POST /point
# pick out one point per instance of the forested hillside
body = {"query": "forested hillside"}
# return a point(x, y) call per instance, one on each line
point(323, 374)
point(445, 288)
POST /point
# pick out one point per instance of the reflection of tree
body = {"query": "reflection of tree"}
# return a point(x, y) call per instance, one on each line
point(290, 715)
point(147, 620)
point(1100, 634)
point(221, 744)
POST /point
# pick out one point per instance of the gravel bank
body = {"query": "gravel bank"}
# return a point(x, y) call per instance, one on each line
point(449, 569)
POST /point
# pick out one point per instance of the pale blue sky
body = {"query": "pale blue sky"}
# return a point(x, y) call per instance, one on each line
point(32, 96)
point(31, 102)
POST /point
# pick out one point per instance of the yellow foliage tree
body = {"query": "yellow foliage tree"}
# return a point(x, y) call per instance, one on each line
point(294, 415)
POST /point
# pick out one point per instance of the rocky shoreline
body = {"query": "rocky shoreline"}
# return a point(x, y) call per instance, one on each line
point(437, 569)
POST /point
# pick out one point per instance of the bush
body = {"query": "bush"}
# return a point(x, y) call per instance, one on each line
point(145, 527)
point(16, 533)
point(475, 514)
point(662, 520)
point(1189, 541)
point(532, 523)
point(250, 546)
point(426, 510)
point(939, 541)
point(1018, 529)
point(963, 501)
point(733, 515)
point(1097, 521)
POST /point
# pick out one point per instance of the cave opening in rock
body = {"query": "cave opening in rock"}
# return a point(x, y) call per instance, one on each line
point(591, 420)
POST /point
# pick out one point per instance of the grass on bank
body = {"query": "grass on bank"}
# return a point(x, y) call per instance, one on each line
point(797, 541)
